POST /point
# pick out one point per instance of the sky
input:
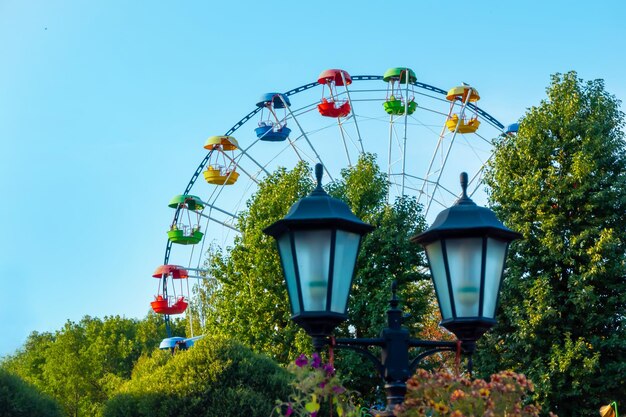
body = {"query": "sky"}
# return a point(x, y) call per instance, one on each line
point(105, 106)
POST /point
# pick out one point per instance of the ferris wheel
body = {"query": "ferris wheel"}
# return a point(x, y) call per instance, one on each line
point(423, 136)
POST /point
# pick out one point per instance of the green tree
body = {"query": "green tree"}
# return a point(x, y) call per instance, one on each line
point(29, 361)
point(247, 299)
point(561, 181)
point(217, 377)
point(21, 399)
point(82, 364)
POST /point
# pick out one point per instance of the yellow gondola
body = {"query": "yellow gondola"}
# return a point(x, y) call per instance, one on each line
point(221, 168)
point(464, 94)
point(460, 93)
point(470, 126)
point(219, 175)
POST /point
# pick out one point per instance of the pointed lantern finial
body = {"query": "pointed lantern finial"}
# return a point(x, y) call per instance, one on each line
point(319, 171)
point(464, 199)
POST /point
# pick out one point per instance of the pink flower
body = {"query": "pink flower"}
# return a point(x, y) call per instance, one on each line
point(289, 410)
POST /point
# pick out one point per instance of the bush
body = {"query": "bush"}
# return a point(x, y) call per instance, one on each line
point(217, 377)
point(18, 398)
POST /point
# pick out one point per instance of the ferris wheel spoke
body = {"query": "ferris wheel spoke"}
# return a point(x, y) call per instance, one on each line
point(424, 180)
point(345, 133)
point(356, 125)
point(441, 170)
point(456, 130)
point(245, 152)
point(437, 147)
point(223, 223)
point(483, 138)
point(476, 179)
point(410, 134)
point(306, 138)
point(404, 149)
point(343, 140)
point(390, 146)
point(237, 165)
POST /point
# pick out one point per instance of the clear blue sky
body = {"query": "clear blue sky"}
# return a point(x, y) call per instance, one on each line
point(104, 106)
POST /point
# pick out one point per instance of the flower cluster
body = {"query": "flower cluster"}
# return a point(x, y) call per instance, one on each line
point(442, 394)
point(317, 388)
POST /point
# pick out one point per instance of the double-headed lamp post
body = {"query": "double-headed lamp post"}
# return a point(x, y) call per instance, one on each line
point(318, 242)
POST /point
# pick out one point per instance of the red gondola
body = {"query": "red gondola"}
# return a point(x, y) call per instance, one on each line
point(163, 302)
point(161, 305)
point(332, 105)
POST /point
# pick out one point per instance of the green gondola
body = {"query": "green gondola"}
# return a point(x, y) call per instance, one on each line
point(190, 201)
point(186, 233)
point(179, 236)
point(396, 107)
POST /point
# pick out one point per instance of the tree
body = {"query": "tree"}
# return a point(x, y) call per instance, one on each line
point(81, 365)
point(561, 181)
point(386, 253)
point(21, 399)
point(248, 300)
point(217, 377)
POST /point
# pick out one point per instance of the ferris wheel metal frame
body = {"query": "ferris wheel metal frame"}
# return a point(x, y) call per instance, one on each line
point(293, 116)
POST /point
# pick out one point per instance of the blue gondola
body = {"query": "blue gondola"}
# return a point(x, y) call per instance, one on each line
point(512, 128)
point(272, 128)
point(170, 343)
point(266, 132)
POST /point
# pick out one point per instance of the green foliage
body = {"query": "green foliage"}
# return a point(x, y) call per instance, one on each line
point(386, 255)
point(82, 364)
point(562, 183)
point(20, 399)
point(248, 300)
point(217, 377)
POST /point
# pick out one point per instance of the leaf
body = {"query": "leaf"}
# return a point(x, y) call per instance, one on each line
point(313, 405)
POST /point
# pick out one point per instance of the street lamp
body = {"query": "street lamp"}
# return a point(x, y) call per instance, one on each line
point(466, 248)
point(318, 242)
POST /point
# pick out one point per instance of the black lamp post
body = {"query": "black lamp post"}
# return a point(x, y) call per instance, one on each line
point(318, 242)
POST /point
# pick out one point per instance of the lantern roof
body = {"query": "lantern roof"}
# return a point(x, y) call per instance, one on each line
point(465, 219)
point(319, 209)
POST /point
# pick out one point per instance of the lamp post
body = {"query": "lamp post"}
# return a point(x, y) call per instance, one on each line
point(318, 242)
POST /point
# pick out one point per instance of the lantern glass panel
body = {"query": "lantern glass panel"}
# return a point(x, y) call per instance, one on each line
point(286, 258)
point(346, 248)
point(494, 266)
point(313, 257)
point(464, 263)
point(440, 280)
